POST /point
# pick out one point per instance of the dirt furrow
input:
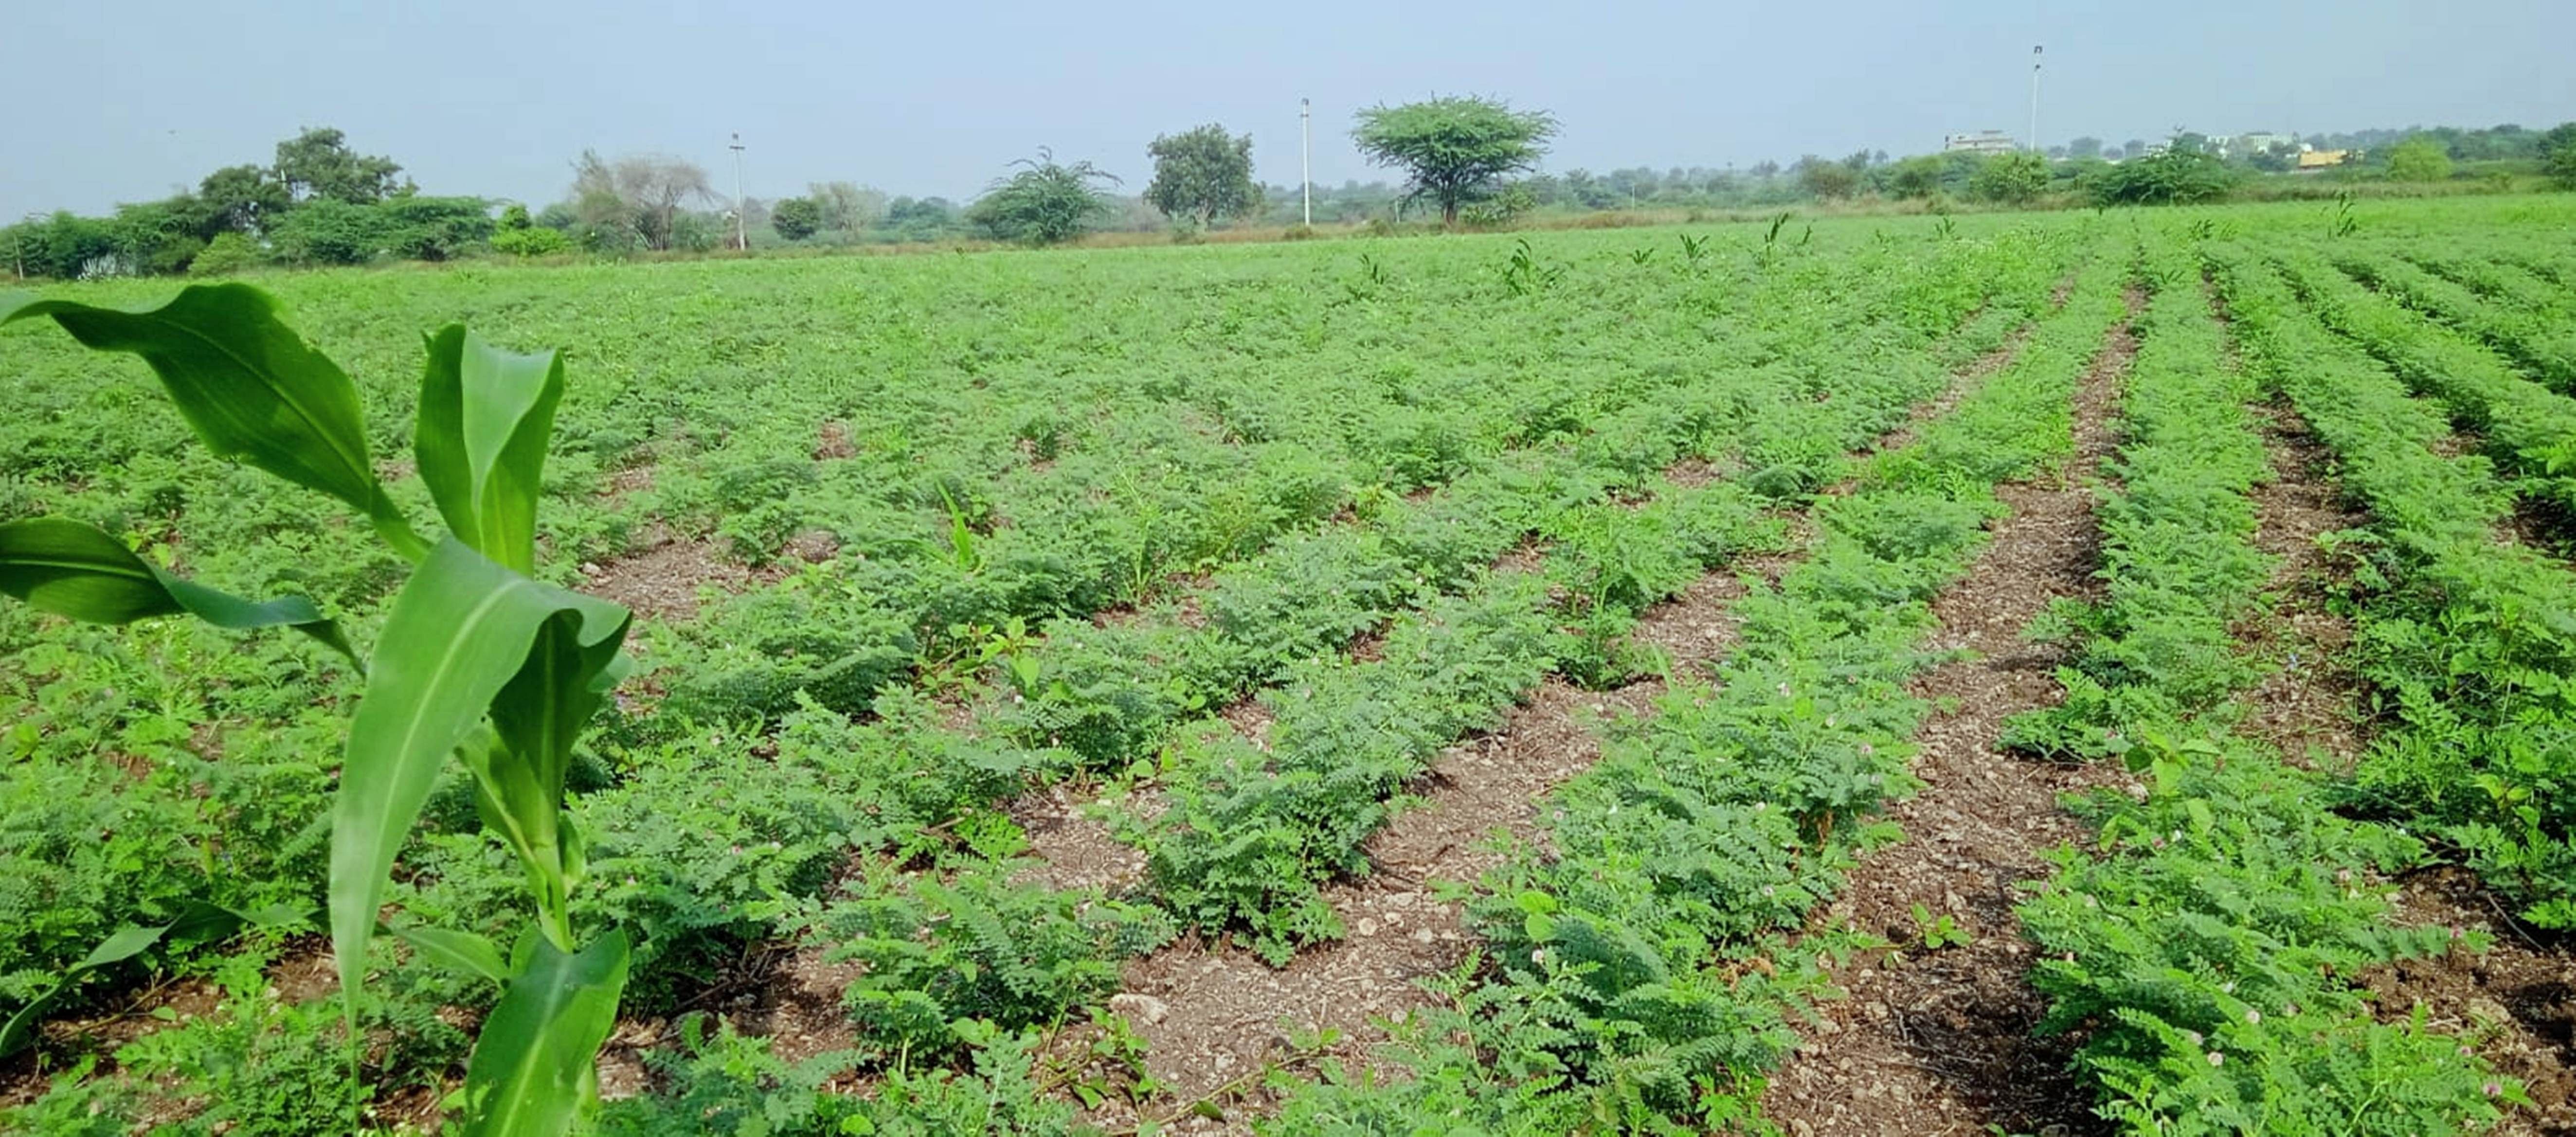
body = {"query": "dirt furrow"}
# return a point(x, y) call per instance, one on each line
point(1939, 1041)
point(1213, 1014)
point(2304, 705)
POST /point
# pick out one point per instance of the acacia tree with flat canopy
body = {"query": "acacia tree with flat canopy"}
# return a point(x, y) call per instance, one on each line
point(1455, 149)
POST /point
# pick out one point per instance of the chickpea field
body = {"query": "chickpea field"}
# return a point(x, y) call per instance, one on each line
point(2081, 672)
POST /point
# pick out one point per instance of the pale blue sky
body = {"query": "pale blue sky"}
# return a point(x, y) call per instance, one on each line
point(123, 100)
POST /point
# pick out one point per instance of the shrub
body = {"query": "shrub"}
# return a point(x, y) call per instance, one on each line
point(2011, 178)
point(2419, 159)
point(530, 242)
point(797, 218)
point(2176, 177)
point(228, 253)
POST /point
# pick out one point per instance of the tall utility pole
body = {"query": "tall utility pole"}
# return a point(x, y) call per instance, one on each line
point(2034, 97)
point(742, 236)
point(1305, 158)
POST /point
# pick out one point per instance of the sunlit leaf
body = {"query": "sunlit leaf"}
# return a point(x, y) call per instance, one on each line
point(249, 386)
point(459, 632)
point(481, 442)
point(464, 951)
point(532, 1068)
point(196, 922)
point(75, 570)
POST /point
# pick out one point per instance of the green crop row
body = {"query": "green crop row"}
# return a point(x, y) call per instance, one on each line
point(700, 852)
point(2205, 950)
point(2177, 565)
point(2529, 429)
point(215, 783)
point(2508, 309)
point(2468, 639)
point(1250, 834)
point(1631, 982)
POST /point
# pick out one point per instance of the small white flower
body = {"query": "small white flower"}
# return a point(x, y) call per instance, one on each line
point(2253, 1016)
point(2217, 1059)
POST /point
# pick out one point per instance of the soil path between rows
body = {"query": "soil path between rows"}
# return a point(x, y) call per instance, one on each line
point(1940, 1042)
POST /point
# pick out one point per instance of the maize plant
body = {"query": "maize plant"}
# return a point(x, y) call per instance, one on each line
point(477, 660)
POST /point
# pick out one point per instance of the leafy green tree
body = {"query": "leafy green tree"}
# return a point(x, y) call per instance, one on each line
point(1454, 150)
point(1915, 177)
point(422, 228)
point(318, 165)
point(2558, 154)
point(2419, 159)
point(228, 253)
point(1826, 180)
point(514, 217)
point(244, 199)
point(1046, 203)
point(533, 241)
point(1202, 173)
point(2177, 176)
point(64, 246)
point(920, 214)
point(157, 237)
point(328, 231)
point(2013, 179)
point(797, 218)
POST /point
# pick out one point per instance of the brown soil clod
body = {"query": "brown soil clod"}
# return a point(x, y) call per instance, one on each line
point(1941, 1041)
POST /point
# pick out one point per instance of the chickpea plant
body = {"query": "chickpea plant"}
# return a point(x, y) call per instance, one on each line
point(476, 659)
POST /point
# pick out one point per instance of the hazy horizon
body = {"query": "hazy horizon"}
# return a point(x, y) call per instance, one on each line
point(143, 98)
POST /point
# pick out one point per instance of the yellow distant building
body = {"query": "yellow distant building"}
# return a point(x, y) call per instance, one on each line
point(2320, 159)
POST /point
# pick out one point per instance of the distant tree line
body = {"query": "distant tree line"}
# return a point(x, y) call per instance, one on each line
point(317, 202)
point(1466, 160)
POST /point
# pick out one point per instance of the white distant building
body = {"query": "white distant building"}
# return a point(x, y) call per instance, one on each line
point(2262, 141)
point(1982, 142)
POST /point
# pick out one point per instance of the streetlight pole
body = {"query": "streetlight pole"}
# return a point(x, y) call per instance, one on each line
point(2034, 97)
point(741, 236)
point(1305, 158)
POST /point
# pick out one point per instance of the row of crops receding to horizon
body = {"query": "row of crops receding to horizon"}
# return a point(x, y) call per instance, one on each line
point(932, 664)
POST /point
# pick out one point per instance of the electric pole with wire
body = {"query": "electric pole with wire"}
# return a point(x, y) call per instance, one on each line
point(2034, 97)
point(741, 235)
point(1305, 158)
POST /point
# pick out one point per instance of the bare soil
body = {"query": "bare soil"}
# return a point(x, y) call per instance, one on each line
point(2517, 1000)
point(1941, 1041)
point(1071, 849)
point(661, 580)
point(2305, 706)
point(832, 441)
